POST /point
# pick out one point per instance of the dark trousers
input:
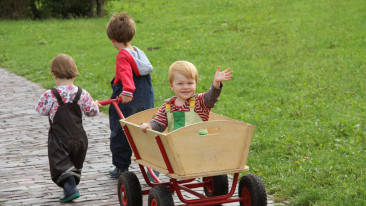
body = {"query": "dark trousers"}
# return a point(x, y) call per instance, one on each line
point(121, 151)
point(143, 99)
point(67, 141)
point(66, 159)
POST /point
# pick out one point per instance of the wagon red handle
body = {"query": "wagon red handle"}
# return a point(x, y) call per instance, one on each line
point(115, 103)
point(109, 101)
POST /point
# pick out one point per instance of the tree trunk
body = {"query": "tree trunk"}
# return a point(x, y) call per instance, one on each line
point(92, 7)
point(35, 12)
point(100, 8)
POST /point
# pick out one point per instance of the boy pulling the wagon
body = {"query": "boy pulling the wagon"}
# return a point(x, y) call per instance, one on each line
point(186, 107)
point(132, 83)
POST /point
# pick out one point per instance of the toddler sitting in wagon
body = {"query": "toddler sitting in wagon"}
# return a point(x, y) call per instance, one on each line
point(186, 107)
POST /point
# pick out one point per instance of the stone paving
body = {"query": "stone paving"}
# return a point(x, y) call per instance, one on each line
point(24, 171)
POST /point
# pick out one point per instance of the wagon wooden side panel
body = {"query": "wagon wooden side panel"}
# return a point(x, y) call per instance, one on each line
point(223, 150)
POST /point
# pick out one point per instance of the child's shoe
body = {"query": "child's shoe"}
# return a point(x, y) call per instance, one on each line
point(70, 190)
point(150, 177)
point(114, 172)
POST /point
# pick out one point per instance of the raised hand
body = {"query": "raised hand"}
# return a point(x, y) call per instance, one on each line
point(222, 76)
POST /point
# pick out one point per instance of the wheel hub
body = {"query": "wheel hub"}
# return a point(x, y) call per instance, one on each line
point(123, 195)
point(154, 203)
point(209, 185)
point(245, 195)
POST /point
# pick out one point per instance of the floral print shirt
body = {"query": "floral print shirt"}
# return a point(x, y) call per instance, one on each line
point(48, 104)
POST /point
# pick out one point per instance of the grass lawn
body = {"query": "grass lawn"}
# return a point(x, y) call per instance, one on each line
point(300, 78)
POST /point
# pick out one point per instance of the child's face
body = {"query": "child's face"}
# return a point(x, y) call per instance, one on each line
point(183, 87)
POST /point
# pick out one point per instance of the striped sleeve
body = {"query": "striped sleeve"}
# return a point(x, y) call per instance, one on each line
point(201, 108)
point(161, 116)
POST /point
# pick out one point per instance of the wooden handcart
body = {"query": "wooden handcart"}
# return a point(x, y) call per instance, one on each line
point(185, 155)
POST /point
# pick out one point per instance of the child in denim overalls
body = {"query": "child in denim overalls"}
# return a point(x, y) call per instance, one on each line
point(132, 83)
point(186, 107)
point(67, 140)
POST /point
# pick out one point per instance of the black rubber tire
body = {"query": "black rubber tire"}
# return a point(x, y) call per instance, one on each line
point(129, 190)
point(161, 196)
point(252, 188)
point(219, 185)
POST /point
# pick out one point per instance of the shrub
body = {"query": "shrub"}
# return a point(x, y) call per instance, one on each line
point(36, 9)
point(15, 9)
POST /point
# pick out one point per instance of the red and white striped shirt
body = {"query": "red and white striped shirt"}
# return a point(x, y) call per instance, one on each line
point(200, 109)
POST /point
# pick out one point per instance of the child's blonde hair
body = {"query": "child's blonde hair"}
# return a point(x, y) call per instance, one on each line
point(121, 28)
point(183, 67)
point(64, 67)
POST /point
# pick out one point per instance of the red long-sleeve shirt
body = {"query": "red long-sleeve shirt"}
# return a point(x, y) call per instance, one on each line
point(125, 65)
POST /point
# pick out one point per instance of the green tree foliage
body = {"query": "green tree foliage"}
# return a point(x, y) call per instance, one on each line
point(15, 9)
point(37, 9)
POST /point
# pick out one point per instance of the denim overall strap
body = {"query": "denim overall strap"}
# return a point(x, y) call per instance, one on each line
point(59, 99)
point(57, 95)
point(77, 96)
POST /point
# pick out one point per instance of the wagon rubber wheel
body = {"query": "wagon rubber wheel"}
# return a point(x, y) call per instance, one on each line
point(129, 190)
point(216, 185)
point(160, 196)
point(252, 190)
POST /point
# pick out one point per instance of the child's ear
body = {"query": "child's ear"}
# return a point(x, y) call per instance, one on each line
point(171, 86)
